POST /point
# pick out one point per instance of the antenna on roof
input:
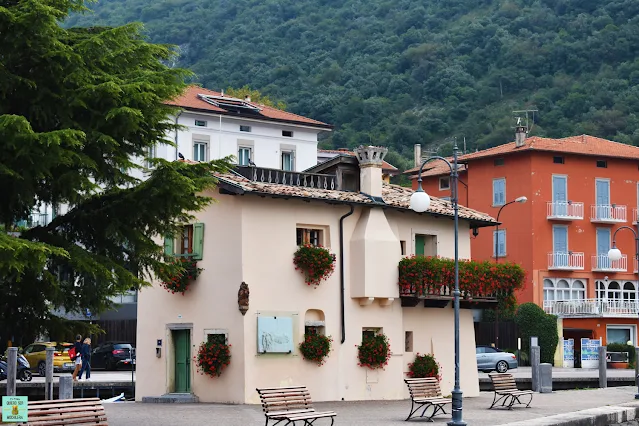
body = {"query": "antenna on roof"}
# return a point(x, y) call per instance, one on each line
point(530, 119)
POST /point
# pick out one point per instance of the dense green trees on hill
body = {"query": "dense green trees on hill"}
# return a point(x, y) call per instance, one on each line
point(399, 72)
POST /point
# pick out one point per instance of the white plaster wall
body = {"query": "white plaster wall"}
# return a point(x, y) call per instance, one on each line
point(252, 239)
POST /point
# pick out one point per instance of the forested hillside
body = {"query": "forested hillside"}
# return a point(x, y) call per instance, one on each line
point(399, 72)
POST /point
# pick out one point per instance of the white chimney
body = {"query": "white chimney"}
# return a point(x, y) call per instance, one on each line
point(418, 155)
point(370, 160)
point(247, 98)
point(520, 136)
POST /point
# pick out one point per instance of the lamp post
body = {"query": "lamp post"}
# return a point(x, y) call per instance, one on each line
point(419, 202)
point(614, 254)
point(521, 200)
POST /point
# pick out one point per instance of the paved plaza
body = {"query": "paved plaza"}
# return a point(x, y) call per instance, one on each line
point(369, 413)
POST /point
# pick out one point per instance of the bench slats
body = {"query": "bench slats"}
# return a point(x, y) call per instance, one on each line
point(291, 403)
point(82, 411)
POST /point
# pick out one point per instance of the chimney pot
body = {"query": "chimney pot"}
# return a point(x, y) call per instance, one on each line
point(520, 136)
point(371, 159)
point(418, 155)
point(247, 98)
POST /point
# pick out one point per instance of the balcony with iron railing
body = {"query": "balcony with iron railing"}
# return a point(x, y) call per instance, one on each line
point(565, 210)
point(33, 220)
point(608, 213)
point(566, 261)
point(602, 263)
point(612, 308)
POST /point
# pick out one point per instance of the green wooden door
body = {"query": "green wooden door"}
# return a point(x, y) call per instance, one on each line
point(420, 243)
point(182, 346)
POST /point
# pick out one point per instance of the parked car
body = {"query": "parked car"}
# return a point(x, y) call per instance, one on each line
point(490, 359)
point(36, 354)
point(113, 355)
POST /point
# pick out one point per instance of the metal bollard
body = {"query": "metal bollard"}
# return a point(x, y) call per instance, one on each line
point(535, 360)
point(603, 373)
point(48, 378)
point(65, 390)
point(12, 371)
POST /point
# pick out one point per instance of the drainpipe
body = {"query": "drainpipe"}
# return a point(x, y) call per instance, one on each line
point(176, 134)
point(341, 270)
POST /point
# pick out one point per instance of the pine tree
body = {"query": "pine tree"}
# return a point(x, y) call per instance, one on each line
point(76, 107)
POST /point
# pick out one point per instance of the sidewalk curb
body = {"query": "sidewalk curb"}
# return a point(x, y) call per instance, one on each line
point(602, 416)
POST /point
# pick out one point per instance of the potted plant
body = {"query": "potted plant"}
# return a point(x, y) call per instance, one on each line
point(316, 347)
point(180, 281)
point(213, 357)
point(315, 262)
point(424, 366)
point(374, 352)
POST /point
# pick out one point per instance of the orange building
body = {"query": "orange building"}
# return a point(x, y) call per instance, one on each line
point(579, 191)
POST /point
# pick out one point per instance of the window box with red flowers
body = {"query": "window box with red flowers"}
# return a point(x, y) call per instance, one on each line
point(316, 347)
point(213, 356)
point(424, 366)
point(315, 262)
point(374, 352)
point(183, 271)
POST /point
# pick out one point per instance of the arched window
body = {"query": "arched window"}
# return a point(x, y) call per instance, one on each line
point(614, 290)
point(549, 290)
point(563, 290)
point(578, 290)
point(629, 291)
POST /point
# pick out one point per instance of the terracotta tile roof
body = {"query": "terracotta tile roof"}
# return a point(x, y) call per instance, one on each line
point(436, 168)
point(385, 165)
point(190, 100)
point(392, 195)
point(582, 145)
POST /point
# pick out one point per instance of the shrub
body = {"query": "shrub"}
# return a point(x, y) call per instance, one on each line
point(374, 352)
point(424, 366)
point(533, 321)
point(623, 347)
point(180, 281)
point(213, 357)
point(315, 262)
point(316, 347)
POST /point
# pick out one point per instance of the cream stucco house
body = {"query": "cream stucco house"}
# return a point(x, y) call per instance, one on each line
point(250, 236)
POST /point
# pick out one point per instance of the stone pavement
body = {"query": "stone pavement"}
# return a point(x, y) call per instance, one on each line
point(368, 413)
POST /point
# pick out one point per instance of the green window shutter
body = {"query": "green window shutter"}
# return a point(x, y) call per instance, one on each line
point(198, 241)
point(420, 243)
point(168, 245)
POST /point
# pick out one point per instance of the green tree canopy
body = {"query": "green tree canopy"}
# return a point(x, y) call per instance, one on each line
point(77, 105)
point(255, 95)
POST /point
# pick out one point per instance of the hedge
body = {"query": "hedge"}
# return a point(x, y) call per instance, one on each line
point(533, 321)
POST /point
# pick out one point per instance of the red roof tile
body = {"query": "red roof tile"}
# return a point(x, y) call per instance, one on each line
point(190, 100)
point(436, 168)
point(385, 165)
point(581, 145)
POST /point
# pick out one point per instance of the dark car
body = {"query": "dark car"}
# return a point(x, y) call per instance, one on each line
point(113, 355)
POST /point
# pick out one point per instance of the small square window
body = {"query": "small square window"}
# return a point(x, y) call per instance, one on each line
point(287, 133)
point(499, 162)
point(558, 160)
point(216, 338)
point(200, 123)
point(603, 164)
point(309, 236)
point(444, 183)
point(245, 128)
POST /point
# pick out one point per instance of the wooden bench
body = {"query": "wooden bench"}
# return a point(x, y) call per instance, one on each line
point(426, 393)
point(61, 412)
point(506, 391)
point(291, 404)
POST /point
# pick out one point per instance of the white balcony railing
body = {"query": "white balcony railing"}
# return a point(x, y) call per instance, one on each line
point(606, 213)
point(565, 210)
point(602, 263)
point(593, 308)
point(566, 261)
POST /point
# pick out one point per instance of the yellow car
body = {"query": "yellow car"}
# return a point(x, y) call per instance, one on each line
point(36, 354)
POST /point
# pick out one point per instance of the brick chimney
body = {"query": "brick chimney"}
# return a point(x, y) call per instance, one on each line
point(370, 160)
point(520, 136)
point(418, 155)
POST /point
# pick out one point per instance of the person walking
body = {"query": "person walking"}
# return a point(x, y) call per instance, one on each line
point(86, 358)
point(77, 358)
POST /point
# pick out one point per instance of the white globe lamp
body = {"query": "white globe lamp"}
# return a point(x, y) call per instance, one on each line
point(419, 201)
point(614, 254)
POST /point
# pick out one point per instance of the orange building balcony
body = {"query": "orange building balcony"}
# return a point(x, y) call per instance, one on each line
point(602, 263)
point(566, 261)
point(611, 308)
point(608, 213)
point(565, 210)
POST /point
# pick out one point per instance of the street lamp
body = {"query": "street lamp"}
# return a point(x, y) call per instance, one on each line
point(614, 254)
point(520, 200)
point(419, 202)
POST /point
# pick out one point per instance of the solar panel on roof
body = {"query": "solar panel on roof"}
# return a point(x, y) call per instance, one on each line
point(232, 104)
